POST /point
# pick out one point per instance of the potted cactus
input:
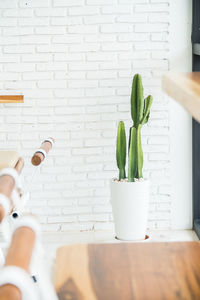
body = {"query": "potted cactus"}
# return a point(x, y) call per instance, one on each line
point(130, 194)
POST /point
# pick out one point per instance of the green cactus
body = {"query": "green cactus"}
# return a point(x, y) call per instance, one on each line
point(121, 150)
point(140, 111)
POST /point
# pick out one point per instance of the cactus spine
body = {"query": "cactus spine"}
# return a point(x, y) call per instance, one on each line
point(121, 150)
point(140, 111)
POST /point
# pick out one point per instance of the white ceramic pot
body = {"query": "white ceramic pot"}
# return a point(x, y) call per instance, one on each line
point(130, 202)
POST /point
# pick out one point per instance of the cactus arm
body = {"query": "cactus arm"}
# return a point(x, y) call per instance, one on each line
point(134, 100)
point(148, 102)
point(129, 140)
point(140, 100)
point(132, 166)
point(121, 150)
point(139, 153)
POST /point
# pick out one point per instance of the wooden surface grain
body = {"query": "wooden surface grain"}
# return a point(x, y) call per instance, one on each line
point(185, 89)
point(126, 271)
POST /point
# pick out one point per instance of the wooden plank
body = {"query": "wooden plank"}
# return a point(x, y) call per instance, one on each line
point(138, 271)
point(11, 98)
point(185, 89)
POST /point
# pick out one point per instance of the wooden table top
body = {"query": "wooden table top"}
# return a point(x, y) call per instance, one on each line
point(185, 89)
point(126, 271)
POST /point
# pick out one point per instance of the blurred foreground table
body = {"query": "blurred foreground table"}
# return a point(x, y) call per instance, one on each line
point(185, 89)
point(126, 271)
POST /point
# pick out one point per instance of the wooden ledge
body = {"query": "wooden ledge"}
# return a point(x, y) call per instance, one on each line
point(11, 98)
point(185, 89)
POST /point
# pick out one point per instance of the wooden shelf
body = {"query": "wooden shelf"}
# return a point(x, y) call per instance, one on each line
point(11, 98)
point(185, 89)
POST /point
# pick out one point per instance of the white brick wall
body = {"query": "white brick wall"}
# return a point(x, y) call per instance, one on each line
point(74, 60)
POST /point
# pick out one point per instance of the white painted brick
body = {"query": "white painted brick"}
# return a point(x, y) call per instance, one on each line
point(108, 28)
point(151, 27)
point(101, 142)
point(37, 75)
point(61, 219)
point(101, 74)
point(69, 93)
point(9, 76)
point(118, 9)
point(20, 85)
point(68, 2)
point(52, 84)
point(50, 30)
point(51, 227)
point(160, 18)
point(18, 49)
point(151, 64)
point(92, 183)
point(84, 48)
point(138, 55)
point(102, 208)
point(36, 57)
point(115, 65)
point(134, 37)
point(18, 12)
point(86, 226)
point(99, 19)
point(83, 29)
point(76, 210)
point(104, 226)
point(52, 48)
point(83, 84)
point(100, 92)
point(83, 11)
point(67, 39)
point(66, 21)
point(160, 7)
point(101, 109)
point(117, 47)
point(5, 40)
point(101, 2)
point(9, 58)
point(158, 140)
point(8, 22)
point(100, 37)
point(158, 156)
point(18, 31)
point(136, 18)
point(33, 22)
point(160, 37)
point(8, 4)
point(69, 110)
point(69, 57)
point(151, 46)
point(35, 39)
point(91, 167)
point(97, 217)
point(101, 56)
point(50, 12)
point(35, 3)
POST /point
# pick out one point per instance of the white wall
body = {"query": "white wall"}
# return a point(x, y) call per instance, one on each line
point(74, 61)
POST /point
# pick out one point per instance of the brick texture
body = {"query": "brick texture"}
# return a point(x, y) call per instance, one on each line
point(74, 60)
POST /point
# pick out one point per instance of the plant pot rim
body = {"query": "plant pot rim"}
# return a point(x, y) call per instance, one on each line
point(113, 180)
